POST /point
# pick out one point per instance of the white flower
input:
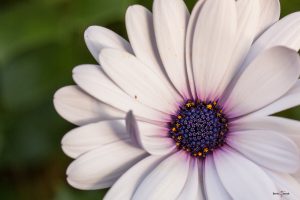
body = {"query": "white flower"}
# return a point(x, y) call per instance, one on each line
point(202, 88)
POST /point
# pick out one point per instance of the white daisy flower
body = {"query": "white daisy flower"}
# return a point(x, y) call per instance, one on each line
point(202, 88)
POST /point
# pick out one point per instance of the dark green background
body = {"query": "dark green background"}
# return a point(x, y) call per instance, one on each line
point(40, 42)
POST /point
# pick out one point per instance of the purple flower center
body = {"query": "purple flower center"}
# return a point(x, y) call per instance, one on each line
point(199, 127)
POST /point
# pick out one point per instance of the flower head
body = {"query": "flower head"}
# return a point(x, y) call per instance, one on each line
point(183, 110)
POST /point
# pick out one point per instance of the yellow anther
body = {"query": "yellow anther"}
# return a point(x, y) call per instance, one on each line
point(215, 103)
point(221, 111)
point(179, 137)
point(177, 125)
point(219, 114)
point(209, 106)
point(177, 143)
point(189, 104)
point(179, 117)
point(174, 129)
point(195, 154)
point(199, 153)
point(205, 150)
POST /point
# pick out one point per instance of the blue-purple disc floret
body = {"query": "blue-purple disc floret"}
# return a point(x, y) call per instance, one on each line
point(199, 127)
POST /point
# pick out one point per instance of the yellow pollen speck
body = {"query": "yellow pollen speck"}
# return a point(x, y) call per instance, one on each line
point(174, 129)
point(179, 137)
point(189, 104)
point(215, 103)
point(179, 117)
point(177, 143)
point(199, 153)
point(221, 111)
point(177, 125)
point(205, 150)
point(195, 154)
point(209, 106)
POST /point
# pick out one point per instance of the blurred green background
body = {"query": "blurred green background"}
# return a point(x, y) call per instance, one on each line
point(40, 42)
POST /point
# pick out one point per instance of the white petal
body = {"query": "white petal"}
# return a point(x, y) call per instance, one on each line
point(132, 129)
point(126, 185)
point(267, 148)
point(289, 128)
point(166, 180)
point(139, 25)
point(213, 45)
point(80, 108)
point(242, 178)
point(213, 186)
point(93, 80)
point(83, 139)
point(97, 38)
point(139, 81)
point(154, 139)
point(288, 100)
point(170, 37)
point(269, 14)
point(297, 176)
point(266, 79)
point(101, 167)
point(285, 32)
point(247, 17)
point(189, 44)
point(285, 183)
point(193, 187)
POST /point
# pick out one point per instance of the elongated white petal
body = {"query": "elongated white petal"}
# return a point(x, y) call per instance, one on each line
point(83, 139)
point(285, 183)
point(80, 108)
point(126, 185)
point(170, 24)
point(213, 186)
point(267, 148)
point(266, 79)
point(297, 176)
point(166, 180)
point(140, 82)
point(154, 139)
point(97, 38)
point(269, 14)
point(287, 127)
point(213, 45)
point(240, 176)
point(93, 80)
point(140, 29)
point(189, 44)
point(101, 167)
point(193, 186)
point(286, 32)
point(132, 129)
point(247, 23)
point(288, 100)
